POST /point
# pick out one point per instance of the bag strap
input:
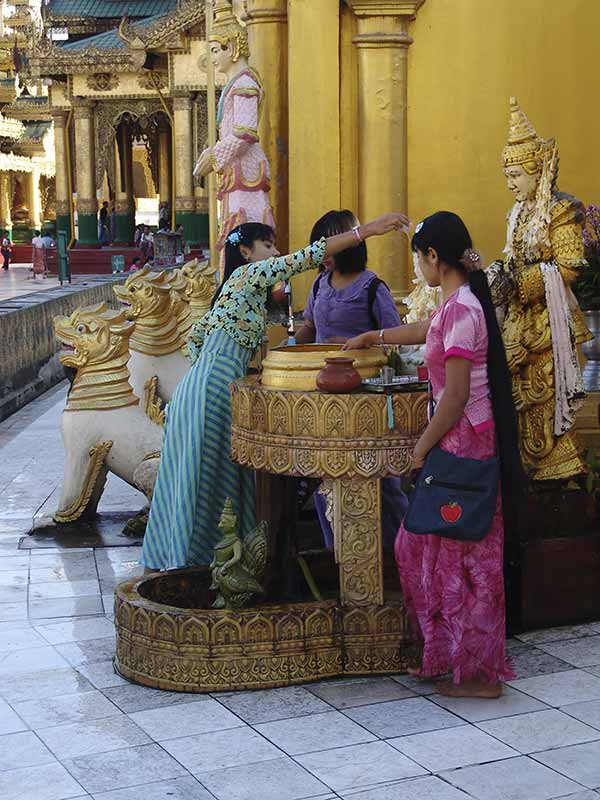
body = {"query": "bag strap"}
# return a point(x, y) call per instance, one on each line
point(372, 294)
point(316, 285)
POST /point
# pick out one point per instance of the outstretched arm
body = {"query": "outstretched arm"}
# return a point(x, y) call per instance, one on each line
point(415, 333)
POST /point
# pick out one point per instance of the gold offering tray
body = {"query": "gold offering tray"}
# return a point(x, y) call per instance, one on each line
point(297, 366)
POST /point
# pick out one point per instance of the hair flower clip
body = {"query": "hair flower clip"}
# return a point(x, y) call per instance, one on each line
point(234, 237)
point(419, 226)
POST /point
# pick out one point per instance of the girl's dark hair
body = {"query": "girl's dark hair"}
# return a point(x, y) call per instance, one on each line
point(354, 259)
point(246, 234)
point(447, 234)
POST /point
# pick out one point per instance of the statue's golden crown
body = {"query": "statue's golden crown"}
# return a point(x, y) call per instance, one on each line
point(524, 145)
point(226, 29)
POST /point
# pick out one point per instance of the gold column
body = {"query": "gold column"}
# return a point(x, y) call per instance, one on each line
point(314, 121)
point(268, 35)
point(185, 202)
point(382, 42)
point(87, 203)
point(34, 201)
point(63, 198)
point(164, 163)
point(5, 202)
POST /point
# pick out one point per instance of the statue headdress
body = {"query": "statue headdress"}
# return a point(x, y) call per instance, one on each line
point(226, 29)
point(539, 156)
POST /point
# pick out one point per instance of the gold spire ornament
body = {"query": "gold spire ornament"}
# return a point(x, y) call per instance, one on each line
point(226, 29)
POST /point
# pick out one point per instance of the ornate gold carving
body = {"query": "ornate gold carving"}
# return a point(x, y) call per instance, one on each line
point(185, 204)
point(307, 426)
point(124, 207)
point(63, 207)
point(153, 405)
point(208, 650)
point(148, 298)
point(87, 205)
point(95, 473)
point(150, 83)
point(102, 81)
point(182, 102)
point(357, 530)
point(98, 338)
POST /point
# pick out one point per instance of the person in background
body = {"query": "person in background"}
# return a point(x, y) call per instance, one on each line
point(137, 236)
point(46, 240)
point(36, 240)
point(147, 243)
point(347, 299)
point(103, 224)
point(163, 217)
point(135, 265)
point(6, 250)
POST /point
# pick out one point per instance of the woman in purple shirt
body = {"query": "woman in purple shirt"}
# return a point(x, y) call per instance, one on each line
point(345, 300)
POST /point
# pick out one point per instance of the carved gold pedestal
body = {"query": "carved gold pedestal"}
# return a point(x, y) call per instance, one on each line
point(169, 638)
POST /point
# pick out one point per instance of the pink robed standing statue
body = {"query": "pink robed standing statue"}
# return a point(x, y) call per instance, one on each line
point(237, 158)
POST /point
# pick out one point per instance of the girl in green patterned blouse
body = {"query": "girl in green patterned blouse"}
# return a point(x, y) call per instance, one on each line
point(196, 473)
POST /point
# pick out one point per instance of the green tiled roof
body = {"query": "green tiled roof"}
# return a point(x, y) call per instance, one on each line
point(111, 9)
point(110, 40)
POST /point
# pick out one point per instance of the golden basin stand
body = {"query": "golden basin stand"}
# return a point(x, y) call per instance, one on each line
point(342, 438)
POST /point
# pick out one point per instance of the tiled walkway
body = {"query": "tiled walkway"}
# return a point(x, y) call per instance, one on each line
point(71, 728)
point(18, 281)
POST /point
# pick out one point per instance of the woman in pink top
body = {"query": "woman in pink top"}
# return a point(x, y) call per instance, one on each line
point(453, 589)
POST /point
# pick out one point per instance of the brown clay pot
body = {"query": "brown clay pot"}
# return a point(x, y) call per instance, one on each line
point(338, 376)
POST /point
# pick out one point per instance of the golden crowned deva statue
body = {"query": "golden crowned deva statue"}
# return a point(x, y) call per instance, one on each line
point(541, 321)
point(238, 159)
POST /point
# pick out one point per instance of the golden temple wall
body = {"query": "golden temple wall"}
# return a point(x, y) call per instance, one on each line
point(467, 59)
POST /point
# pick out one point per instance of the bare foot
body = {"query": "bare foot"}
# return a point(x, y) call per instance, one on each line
point(471, 688)
point(414, 672)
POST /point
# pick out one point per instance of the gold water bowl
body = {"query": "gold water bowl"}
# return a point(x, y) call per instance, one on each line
point(297, 366)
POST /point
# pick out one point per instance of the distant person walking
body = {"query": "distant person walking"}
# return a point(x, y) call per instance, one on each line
point(103, 224)
point(6, 250)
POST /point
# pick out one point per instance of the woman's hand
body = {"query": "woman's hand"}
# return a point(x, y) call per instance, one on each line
point(361, 341)
point(418, 458)
point(385, 224)
point(204, 164)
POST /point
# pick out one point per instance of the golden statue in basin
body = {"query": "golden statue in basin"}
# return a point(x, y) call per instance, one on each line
point(297, 366)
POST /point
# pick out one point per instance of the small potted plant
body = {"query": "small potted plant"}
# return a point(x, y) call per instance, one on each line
point(587, 291)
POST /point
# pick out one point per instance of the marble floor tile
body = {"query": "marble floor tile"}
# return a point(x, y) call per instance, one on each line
point(530, 661)
point(316, 732)
point(431, 788)
point(415, 685)
point(14, 611)
point(51, 683)
point(118, 555)
point(76, 630)
point(14, 561)
point(586, 712)
point(46, 782)
point(561, 688)
point(119, 769)
point(67, 708)
point(169, 722)
point(14, 577)
point(32, 658)
point(452, 748)
point(89, 651)
point(559, 634)
point(61, 589)
point(403, 717)
point(578, 652)
point(476, 709)
point(360, 765)
point(540, 730)
point(13, 593)
point(18, 750)
point(266, 780)
point(513, 779)
point(93, 736)
point(271, 704)
point(101, 674)
point(175, 789)
point(9, 721)
point(64, 571)
point(581, 763)
point(65, 607)
point(62, 562)
point(207, 752)
point(132, 698)
point(359, 691)
point(593, 670)
point(20, 639)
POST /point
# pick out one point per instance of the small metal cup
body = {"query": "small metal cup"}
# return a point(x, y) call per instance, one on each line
point(386, 374)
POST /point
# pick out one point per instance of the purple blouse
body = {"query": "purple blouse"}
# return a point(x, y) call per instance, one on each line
point(345, 312)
